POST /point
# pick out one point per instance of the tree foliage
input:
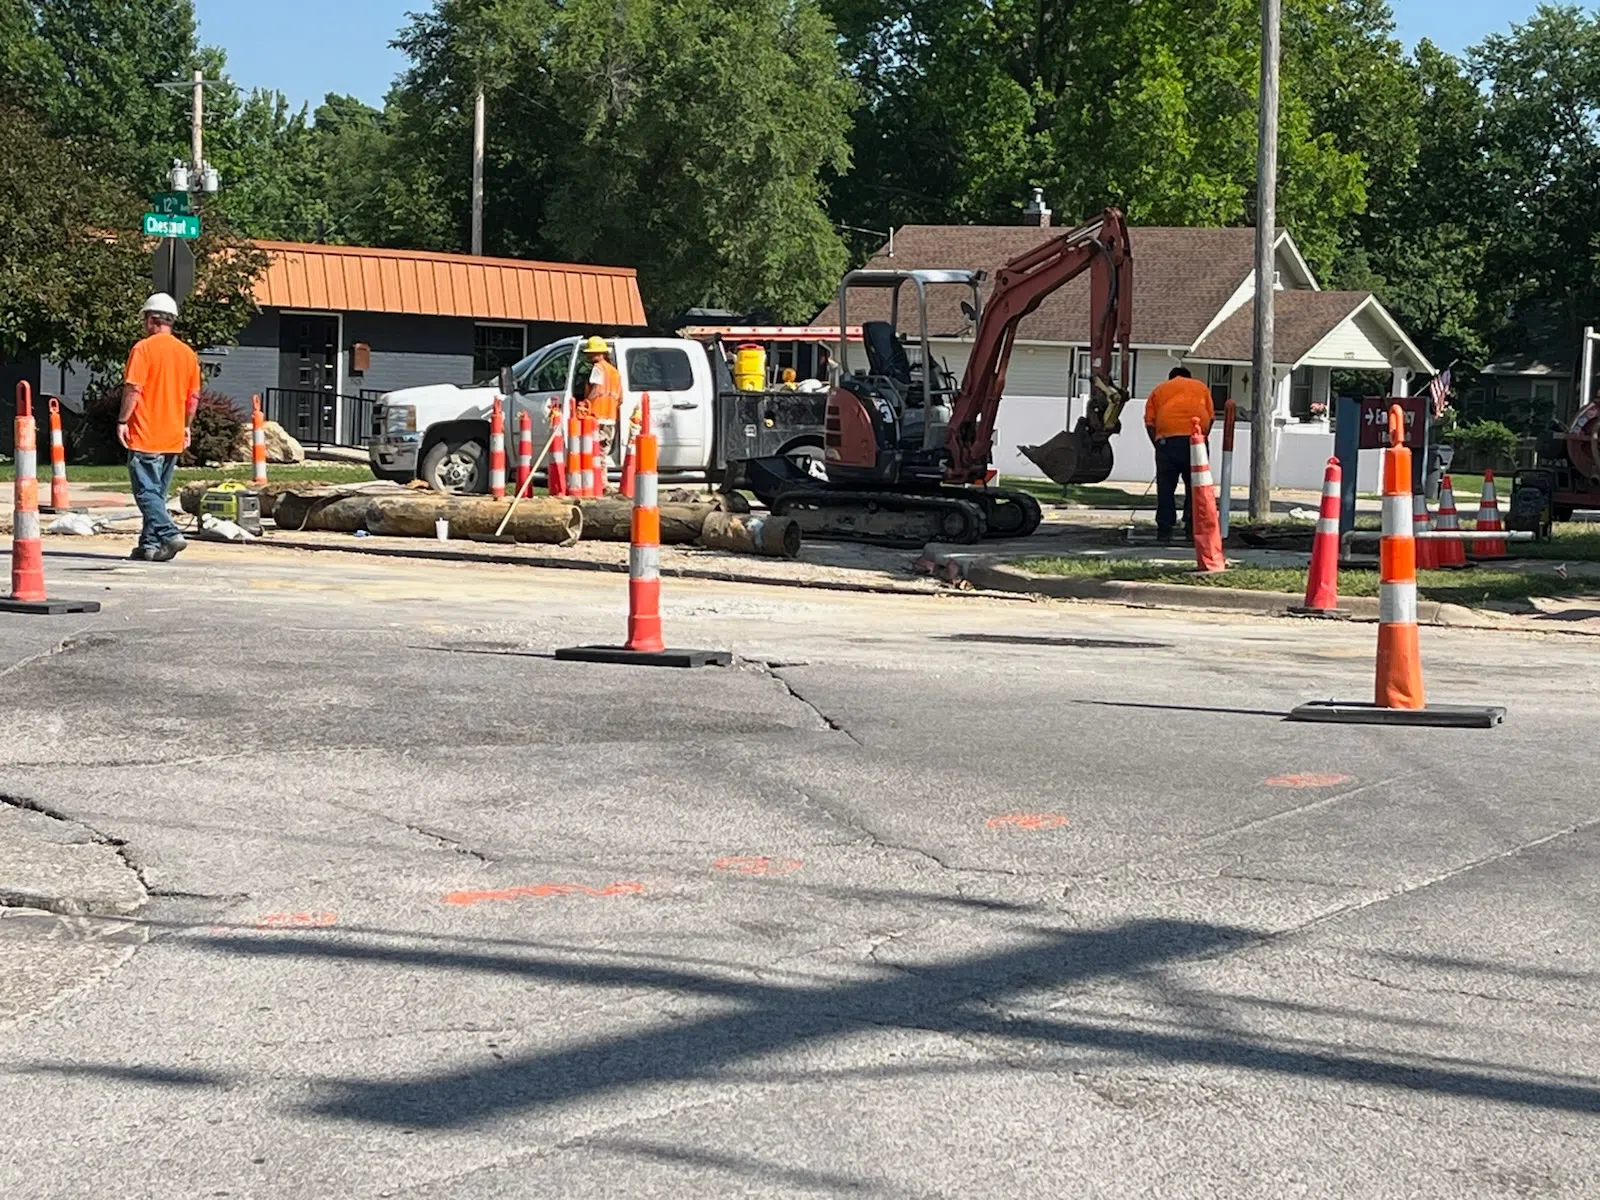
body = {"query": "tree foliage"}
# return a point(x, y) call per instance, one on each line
point(685, 137)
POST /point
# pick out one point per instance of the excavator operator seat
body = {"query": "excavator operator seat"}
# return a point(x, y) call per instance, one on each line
point(885, 353)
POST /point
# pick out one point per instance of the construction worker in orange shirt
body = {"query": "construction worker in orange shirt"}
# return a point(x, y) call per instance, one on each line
point(1168, 413)
point(160, 393)
point(603, 399)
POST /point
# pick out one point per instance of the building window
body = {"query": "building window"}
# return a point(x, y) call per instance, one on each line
point(1545, 394)
point(1081, 361)
point(1300, 394)
point(496, 346)
point(1219, 378)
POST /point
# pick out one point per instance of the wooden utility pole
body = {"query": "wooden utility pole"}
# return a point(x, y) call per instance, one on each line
point(1261, 381)
point(477, 173)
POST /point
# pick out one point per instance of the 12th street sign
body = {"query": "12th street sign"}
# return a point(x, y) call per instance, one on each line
point(170, 203)
point(165, 225)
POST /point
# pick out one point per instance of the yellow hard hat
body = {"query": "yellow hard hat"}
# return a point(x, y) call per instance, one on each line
point(595, 345)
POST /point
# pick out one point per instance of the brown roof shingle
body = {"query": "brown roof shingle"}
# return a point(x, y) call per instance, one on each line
point(1299, 321)
point(365, 279)
point(1181, 278)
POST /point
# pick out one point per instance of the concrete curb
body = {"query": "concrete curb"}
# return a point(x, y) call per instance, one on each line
point(675, 571)
point(993, 576)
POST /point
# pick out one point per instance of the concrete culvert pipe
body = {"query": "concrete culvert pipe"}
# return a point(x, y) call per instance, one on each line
point(772, 537)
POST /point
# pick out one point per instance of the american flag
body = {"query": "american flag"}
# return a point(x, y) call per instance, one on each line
point(1439, 389)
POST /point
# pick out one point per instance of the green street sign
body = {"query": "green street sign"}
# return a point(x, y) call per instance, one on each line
point(171, 204)
point(162, 225)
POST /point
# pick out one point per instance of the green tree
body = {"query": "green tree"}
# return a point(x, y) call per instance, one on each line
point(1149, 106)
point(689, 138)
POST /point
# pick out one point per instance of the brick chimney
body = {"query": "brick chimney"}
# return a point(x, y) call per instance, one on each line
point(1036, 213)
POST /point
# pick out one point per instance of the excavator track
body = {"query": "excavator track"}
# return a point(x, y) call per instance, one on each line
point(907, 519)
point(1008, 514)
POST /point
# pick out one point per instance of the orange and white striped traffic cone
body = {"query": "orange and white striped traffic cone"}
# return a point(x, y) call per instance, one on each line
point(60, 497)
point(645, 646)
point(524, 450)
point(1203, 521)
point(1322, 580)
point(555, 480)
point(1451, 551)
point(1489, 522)
point(585, 456)
point(1399, 677)
point(258, 441)
point(1427, 552)
point(597, 460)
point(574, 480)
point(630, 460)
point(28, 593)
point(497, 450)
point(1398, 695)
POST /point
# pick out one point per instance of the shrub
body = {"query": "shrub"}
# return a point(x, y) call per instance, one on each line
point(1488, 440)
point(216, 430)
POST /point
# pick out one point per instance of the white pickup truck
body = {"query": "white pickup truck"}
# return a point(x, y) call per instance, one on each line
point(440, 432)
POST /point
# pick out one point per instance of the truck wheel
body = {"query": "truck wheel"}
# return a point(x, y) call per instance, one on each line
point(451, 466)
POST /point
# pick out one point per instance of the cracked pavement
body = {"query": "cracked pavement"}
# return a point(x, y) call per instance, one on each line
point(926, 896)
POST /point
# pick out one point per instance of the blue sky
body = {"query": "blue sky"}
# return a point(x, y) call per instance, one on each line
point(306, 48)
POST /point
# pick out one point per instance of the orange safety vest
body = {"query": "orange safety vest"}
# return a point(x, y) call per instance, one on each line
point(605, 391)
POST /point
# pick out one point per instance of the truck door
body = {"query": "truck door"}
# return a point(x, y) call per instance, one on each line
point(681, 407)
point(547, 380)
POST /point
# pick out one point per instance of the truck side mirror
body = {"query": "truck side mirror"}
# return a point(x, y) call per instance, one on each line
point(505, 381)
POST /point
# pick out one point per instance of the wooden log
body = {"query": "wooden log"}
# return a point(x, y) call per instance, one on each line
point(611, 520)
point(769, 536)
point(327, 510)
point(540, 519)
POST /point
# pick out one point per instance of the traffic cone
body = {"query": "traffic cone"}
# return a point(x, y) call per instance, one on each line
point(1427, 553)
point(1322, 580)
point(28, 593)
point(630, 460)
point(586, 456)
point(60, 497)
point(555, 479)
point(524, 450)
point(645, 646)
point(574, 473)
point(1203, 505)
point(1399, 676)
point(1489, 522)
point(1398, 698)
point(497, 450)
point(1451, 553)
point(258, 442)
point(597, 458)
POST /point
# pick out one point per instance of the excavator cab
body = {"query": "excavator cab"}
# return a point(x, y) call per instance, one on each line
point(887, 423)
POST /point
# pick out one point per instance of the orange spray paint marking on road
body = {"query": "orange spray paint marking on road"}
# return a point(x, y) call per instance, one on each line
point(299, 920)
point(1306, 781)
point(1026, 821)
point(538, 890)
point(757, 864)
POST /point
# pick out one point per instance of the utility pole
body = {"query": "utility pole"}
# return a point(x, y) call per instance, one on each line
point(477, 173)
point(196, 120)
point(1261, 382)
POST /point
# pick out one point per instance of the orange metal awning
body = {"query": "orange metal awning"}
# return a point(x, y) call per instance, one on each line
point(365, 279)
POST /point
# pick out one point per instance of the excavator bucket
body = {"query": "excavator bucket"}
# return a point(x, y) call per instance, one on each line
point(1072, 456)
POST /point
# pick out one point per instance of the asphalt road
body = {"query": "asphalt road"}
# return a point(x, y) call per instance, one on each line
point(926, 897)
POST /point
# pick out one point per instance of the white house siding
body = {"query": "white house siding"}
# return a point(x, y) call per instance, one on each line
point(1034, 409)
point(1359, 344)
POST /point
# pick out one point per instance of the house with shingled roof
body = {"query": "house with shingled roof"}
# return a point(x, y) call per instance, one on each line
point(1193, 304)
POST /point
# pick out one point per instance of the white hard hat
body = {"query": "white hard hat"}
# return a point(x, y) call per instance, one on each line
point(162, 305)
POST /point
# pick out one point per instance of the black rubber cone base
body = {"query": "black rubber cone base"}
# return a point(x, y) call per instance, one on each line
point(1444, 716)
point(49, 608)
point(644, 658)
point(1321, 614)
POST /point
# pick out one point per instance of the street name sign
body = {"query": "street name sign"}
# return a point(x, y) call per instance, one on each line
point(171, 225)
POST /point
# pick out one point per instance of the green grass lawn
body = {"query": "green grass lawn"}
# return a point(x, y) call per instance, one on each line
point(1469, 588)
point(115, 478)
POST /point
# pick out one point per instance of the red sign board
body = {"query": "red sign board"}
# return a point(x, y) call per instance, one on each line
point(1375, 420)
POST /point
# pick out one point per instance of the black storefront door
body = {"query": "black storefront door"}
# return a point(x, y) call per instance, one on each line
point(308, 376)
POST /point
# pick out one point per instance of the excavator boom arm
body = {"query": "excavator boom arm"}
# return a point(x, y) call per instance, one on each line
point(1102, 249)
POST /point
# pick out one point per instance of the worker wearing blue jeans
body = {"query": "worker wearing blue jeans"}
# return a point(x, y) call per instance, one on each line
point(151, 478)
point(1169, 415)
